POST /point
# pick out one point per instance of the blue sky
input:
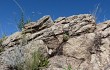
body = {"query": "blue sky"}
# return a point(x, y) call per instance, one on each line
point(35, 9)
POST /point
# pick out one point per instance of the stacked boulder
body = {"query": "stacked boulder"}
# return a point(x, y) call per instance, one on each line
point(75, 40)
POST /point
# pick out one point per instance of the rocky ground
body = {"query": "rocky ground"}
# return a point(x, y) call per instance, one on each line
point(75, 40)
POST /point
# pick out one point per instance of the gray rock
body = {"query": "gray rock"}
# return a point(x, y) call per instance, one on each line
point(18, 54)
point(59, 19)
point(87, 44)
point(12, 40)
point(44, 22)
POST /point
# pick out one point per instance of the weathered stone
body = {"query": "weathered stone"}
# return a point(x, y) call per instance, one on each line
point(44, 22)
point(103, 26)
point(78, 46)
point(16, 55)
point(62, 62)
point(59, 19)
point(12, 40)
point(30, 25)
point(76, 41)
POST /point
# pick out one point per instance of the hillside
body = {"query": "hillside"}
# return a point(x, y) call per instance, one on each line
point(69, 43)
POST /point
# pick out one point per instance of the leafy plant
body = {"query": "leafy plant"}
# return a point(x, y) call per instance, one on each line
point(1, 40)
point(65, 37)
point(36, 62)
point(1, 49)
point(69, 67)
point(23, 39)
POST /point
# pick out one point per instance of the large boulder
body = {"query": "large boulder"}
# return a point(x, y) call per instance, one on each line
point(75, 41)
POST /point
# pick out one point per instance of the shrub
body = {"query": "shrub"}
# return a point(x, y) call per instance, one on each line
point(23, 39)
point(36, 62)
point(1, 40)
point(1, 49)
point(65, 37)
point(69, 67)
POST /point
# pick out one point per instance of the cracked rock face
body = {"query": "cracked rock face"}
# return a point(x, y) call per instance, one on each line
point(76, 40)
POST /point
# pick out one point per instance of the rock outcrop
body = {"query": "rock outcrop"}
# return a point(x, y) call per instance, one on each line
point(76, 40)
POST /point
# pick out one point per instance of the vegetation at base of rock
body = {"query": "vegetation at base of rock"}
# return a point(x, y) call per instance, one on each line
point(65, 37)
point(36, 62)
point(1, 49)
point(1, 40)
point(23, 40)
point(69, 67)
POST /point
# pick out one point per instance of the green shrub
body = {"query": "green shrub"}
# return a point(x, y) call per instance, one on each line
point(36, 62)
point(69, 67)
point(1, 49)
point(65, 37)
point(1, 40)
point(23, 39)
